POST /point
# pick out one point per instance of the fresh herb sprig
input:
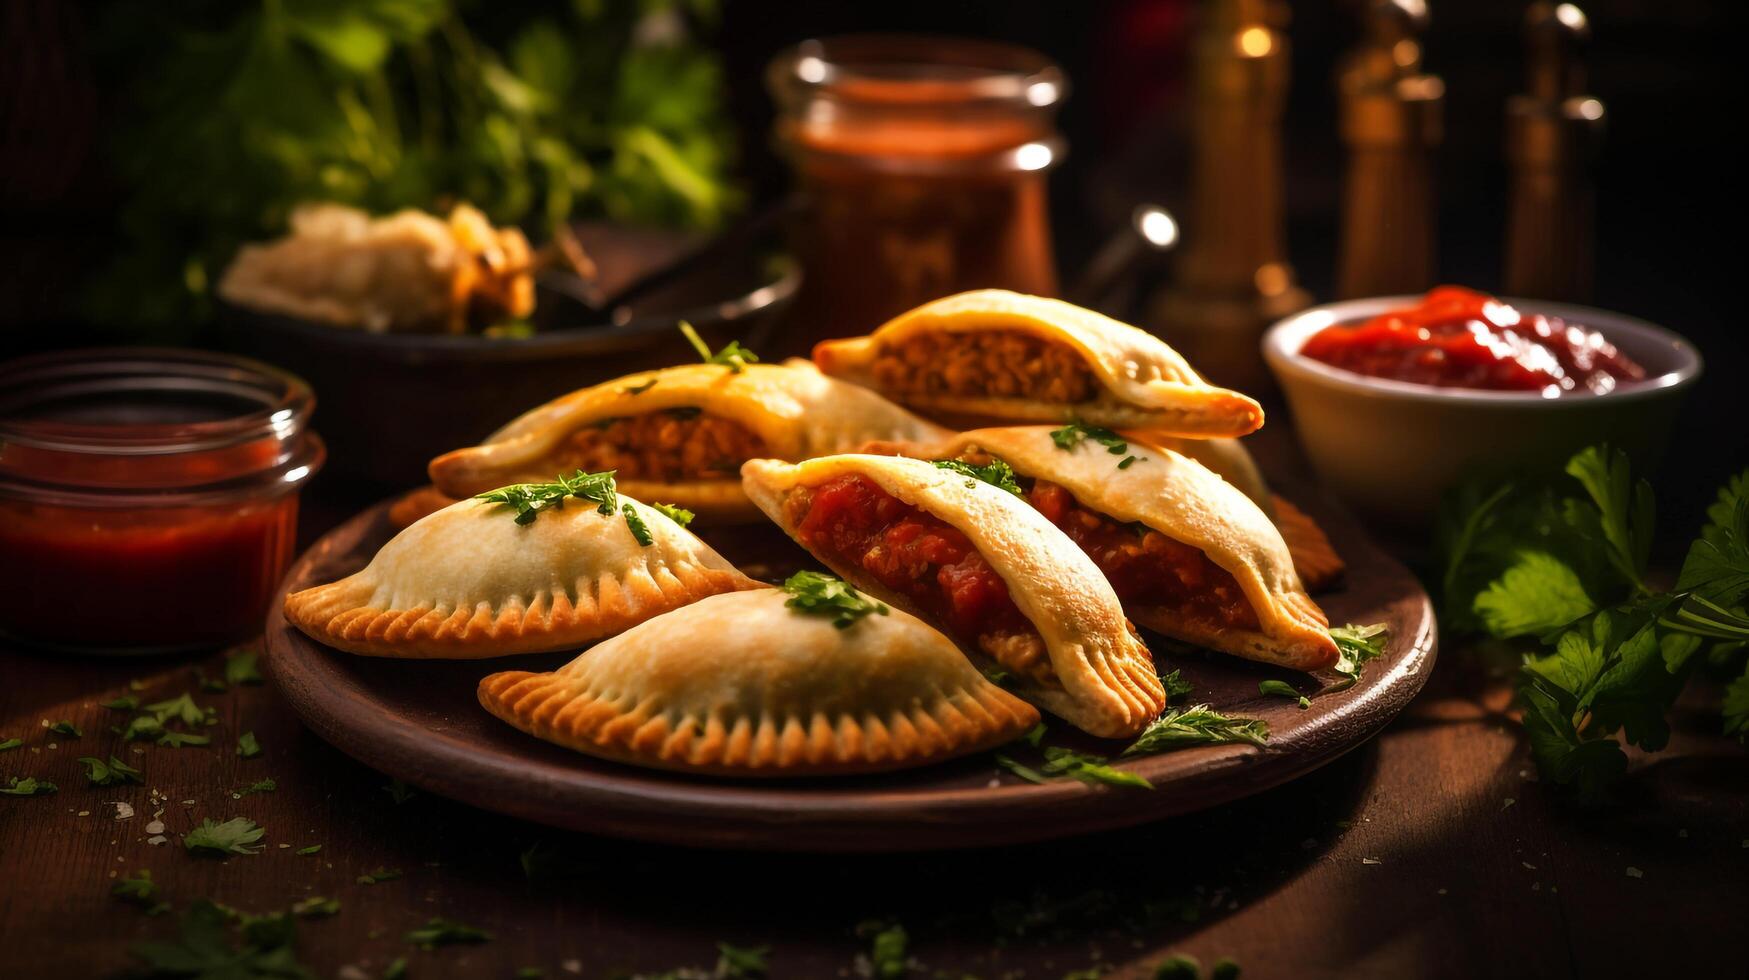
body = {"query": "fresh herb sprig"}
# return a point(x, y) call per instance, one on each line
point(238, 835)
point(1357, 646)
point(1199, 724)
point(529, 499)
point(679, 515)
point(825, 595)
point(996, 473)
point(100, 773)
point(1072, 435)
point(733, 356)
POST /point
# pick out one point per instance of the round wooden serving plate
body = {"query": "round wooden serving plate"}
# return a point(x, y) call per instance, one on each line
point(418, 721)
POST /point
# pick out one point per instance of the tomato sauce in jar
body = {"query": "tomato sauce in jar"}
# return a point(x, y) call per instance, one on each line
point(148, 499)
point(1460, 338)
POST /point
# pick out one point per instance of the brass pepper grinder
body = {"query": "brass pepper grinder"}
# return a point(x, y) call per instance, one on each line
point(1552, 134)
point(1390, 124)
point(1233, 278)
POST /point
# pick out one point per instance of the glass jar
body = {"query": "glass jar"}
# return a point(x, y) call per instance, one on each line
point(922, 162)
point(148, 498)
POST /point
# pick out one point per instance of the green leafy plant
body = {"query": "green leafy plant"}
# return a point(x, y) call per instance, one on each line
point(1563, 566)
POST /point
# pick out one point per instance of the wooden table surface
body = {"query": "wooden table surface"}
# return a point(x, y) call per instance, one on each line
point(1430, 852)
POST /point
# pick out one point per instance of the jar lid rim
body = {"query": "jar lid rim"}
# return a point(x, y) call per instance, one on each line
point(891, 64)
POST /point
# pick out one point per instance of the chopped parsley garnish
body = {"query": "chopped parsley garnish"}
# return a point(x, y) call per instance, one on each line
point(1281, 689)
point(399, 791)
point(640, 530)
point(1197, 725)
point(1066, 763)
point(142, 727)
point(733, 356)
point(739, 963)
point(238, 835)
point(679, 515)
point(1175, 684)
point(1356, 646)
point(10, 744)
point(306, 851)
point(316, 907)
point(204, 948)
point(887, 950)
point(379, 876)
point(442, 932)
point(638, 389)
point(247, 745)
point(1072, 435)
point(28, 786)
point(100, 773)
point(66, 728)
point(211, 685)
point(127, 702)
point(824, 595)
point(996, 473)
point(529, 499)
point(181, 708)
point(140, 889)
point(1179, 966)
point(177, 740)
point(259, 786)
point(996, 675)
point(241, 668)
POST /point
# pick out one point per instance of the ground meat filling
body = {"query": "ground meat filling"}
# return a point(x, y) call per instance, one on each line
point(985, 363)
point(1145, 567)
point(854, 522)
point(673, 446)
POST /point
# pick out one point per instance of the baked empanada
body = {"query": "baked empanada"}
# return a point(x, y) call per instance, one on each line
point(470, 582)
point(1189, 555)
point(680, 434)
point(996, 356)
point(982, 564)
point(742, 685)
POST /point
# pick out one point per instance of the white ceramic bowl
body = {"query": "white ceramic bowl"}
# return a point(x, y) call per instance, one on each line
point(1390, 448)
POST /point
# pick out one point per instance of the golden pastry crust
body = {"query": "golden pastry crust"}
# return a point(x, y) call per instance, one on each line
point(1185, 501)
point(1106, 683)
point(468, 582)
point(1315, 558)
point(414, 505)
point(1141, 382)
point(796, 411)
point(739, 685)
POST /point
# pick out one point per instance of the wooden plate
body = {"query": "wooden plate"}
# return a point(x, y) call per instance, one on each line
point(419, 721)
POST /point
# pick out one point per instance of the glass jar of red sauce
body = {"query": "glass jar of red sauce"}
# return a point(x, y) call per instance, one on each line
point(923, 166)
point(1459, 338)
point(148, 498)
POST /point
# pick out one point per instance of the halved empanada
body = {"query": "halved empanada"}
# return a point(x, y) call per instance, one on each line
point(680, 434)
point(980, 563)
point(469, 582)
point(1189, 555)
point(997, 356)
point(1315, 558)
point(741, 685)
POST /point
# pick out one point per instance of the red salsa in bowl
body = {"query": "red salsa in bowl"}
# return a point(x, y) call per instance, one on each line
point(1460, 338)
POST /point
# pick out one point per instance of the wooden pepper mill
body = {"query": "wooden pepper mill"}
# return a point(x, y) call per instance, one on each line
point(1232, 276)
point(1390, 123)
point(1552, 135)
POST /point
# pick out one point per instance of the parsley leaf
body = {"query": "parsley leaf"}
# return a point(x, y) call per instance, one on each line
point(66, 728)
point(1356, 646)
point(679, 515)
point(142, 727)
point(887, 951)
point(238, 835)
point(640, 530)
point(1072, 435)
point(1624, 508)
point(242, 668)
point(306, 851)
point(1175, 684)
point(127, 702)
point(10, 744)
point(247, 745)
point(1537, 593)
point(316, 907)
point(1197, 725)
point(733, 356)
point(259, 786)
point(529, 499)
point(204, 949)
point(28, 786)
point(443, 932)
point(379, 876)
point(100, 773)
point(1717, 565)
point(824, 595)
point(181, 708)
point(996, 473)
point(140, 889)
point(741, 963)
point(1282, 689)
point(177, 740)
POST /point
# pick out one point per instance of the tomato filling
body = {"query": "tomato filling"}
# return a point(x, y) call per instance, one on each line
point(672, 446)
point(853, 522)
point(997, 363)
point(1145, 567)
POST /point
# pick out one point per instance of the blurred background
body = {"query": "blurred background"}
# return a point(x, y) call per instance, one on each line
point(143, 143)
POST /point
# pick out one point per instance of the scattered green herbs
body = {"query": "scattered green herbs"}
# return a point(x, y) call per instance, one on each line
point(127, 702)
point(888, 944)
point(443, 932)
point(679, 515)
point(1179, 966)
point(1356, 646)
point(640, 530)
point(205, 949)
point(28, 786)
point(242, 668)
point(741, 963)
point(996, 675)
point(379, 876)
point(1175, 684)
point(100, 773)
point(316, 907)
point(247, 745)
point(996, 473)
point(66, 728)
point(305, 851)
point(529, 499)
point(1199, 724)
point(824, 595)
point(1562, 567)
point(181, 708)
point(733, 356)
point(399, 791)
point(177, 740)
point(259, 786)
point(238, 835)
point(396, 970)
point(1089, 769)
point(211, 685)
point(10, 744)
point(1282, 689)
point(1072, 435)
point(139, 889)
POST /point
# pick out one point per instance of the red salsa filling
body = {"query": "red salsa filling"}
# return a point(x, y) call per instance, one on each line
point(1459, 338)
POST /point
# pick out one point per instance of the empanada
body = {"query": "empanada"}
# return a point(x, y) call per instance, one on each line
point(1189, 555)
point(469, 582)
point(680, 434)
point(741, 685)
point(980, 563)
point(993, 355)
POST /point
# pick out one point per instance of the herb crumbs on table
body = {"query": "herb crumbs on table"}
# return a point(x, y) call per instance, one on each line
point(379, 875)
point(247, 745)
point(238, 835)
point(443, 932)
